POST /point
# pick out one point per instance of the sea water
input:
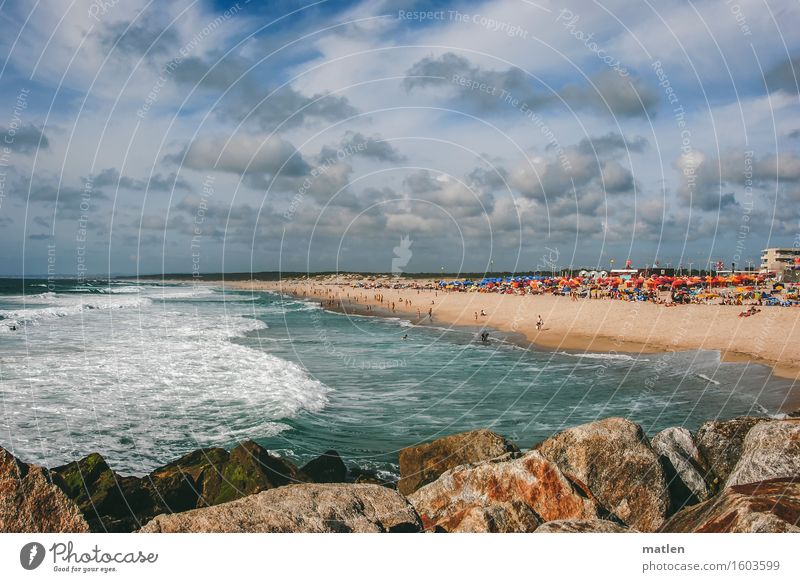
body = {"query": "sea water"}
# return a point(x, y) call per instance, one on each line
point(143, 373)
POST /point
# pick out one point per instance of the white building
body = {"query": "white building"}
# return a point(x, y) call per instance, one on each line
point(776, 260)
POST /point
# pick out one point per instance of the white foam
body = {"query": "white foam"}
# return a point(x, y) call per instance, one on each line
point(593, 356)
point(121, 290)
point(707, 379)
point(143, 385)
point(64, 306)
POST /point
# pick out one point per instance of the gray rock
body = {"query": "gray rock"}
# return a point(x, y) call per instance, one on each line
point(687, 485)
point(506, 494)
point(613, 458)
point(720, 443)
point(770, 450)
point(424, 463)
point(582, 526)
point(499, 517)
point(300, 508)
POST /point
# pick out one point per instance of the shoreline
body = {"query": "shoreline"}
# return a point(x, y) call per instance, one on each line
point(638, 328)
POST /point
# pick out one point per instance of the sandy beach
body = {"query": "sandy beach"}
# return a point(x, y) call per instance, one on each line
point(772, 337)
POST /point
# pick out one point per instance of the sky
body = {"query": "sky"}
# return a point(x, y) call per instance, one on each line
point(146, 137)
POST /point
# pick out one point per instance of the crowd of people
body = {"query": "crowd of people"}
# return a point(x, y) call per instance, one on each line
point(739, 289)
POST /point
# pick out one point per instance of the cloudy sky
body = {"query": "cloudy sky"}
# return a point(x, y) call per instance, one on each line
point(171, 136)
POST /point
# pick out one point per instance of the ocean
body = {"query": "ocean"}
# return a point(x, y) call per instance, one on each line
point(143, 373)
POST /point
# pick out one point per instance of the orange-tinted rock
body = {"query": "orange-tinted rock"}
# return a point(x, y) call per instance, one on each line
point(616, 462)
point(506, 494)
point(771, 506)
point(424, 463)
point(29, 502)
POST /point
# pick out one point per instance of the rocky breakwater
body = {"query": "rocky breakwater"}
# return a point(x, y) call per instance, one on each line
point(740, 475)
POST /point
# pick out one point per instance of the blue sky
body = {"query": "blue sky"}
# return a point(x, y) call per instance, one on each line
point(147, 137)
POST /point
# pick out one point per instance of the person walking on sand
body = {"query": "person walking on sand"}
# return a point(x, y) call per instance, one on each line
point(430, 313)
point(539, 323)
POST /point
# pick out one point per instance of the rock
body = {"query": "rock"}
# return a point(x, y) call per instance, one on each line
point(192, 464)
point(424, 463)
point(204, 477)
point(508, 494)
point(310, 508)
point(250, 468)
point(370, 476)
point(615, 461)
point(501, 517)
point(31, 503)
point(770, 506)
point(216, 476)
point(683, 467)
point(582, 526)
point(114, 503)
point(103, 497)
point(720, 443)
point(327, 468)
point(770, 450)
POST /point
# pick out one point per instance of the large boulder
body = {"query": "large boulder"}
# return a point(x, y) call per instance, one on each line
point(327, 468)
point(218, 476)
point(31, 503)
point(582, 526)
point(424, 463)
point(508, 494)
point(249, 468)
point(720, 443)
point(617, 464)
point(683, 466)
point(770, 450)
point(771, 506)
point(103, 496)
point(310, 508)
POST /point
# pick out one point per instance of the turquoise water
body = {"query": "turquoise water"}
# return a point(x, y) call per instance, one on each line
point(145, 373)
